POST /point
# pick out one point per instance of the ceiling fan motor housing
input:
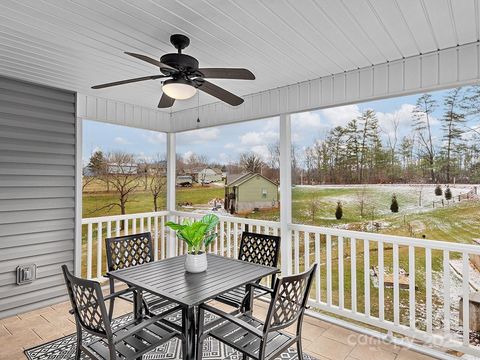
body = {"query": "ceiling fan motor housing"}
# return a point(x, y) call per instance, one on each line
point(182, 62)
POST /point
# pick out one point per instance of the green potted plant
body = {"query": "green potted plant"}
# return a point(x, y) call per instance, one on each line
point(196, 234)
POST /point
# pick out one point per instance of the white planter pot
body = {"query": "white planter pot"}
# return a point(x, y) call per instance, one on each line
point(196, 263)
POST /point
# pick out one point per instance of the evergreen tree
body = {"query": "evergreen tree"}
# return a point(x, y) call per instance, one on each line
point(452, 125)
point(448, 193)
point(394, 204)
point(339, 211)
point(422, 114)
point(98, 163)
point(438, 190)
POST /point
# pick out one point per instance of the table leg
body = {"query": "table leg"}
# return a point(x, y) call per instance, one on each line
point(137, 304)
point(249, 300)
point(189, 331)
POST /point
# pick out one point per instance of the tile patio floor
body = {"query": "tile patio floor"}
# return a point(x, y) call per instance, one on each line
point(320, 339)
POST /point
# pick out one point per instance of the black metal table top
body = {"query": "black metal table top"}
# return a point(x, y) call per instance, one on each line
point(168, 278)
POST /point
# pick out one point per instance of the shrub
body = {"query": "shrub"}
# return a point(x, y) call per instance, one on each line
point(339, 211)
point(448, 193)
point(394, 204)
point(438, 190)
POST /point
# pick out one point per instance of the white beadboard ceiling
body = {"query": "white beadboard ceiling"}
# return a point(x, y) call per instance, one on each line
point(78, 43)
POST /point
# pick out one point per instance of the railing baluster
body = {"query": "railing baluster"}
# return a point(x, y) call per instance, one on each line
point(411, 285)
point(149, 224)
point(89, 250)
point(235, 239)
point(341, 290)
point(162, 237)
point(117, 228)
point(428, 288)
point(329, 270)
point(353, 272)
point(466, 299)
point(366, 275)
point(142, 226)
point(318, 285)
point(297, 251)
point(155, 235)
point(229, 233)
point(306, 249)
point(222, 238)
point(125, 227)
point(134, 226)
point(396, 293)
point(381, 282)
point(99, 248)
point(446, 291)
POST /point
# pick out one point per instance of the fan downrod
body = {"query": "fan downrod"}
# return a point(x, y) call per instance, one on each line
point(179, 41)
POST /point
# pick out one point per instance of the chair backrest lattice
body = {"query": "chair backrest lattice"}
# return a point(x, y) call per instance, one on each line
point(259, 249)
point(129, 250)
point(88, 303)
point(290, 299)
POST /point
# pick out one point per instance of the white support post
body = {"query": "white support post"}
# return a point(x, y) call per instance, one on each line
point(286, 192)
point(77, 261)
point(171, 182)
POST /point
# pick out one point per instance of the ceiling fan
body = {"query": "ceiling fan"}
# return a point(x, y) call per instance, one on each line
point(185, 76)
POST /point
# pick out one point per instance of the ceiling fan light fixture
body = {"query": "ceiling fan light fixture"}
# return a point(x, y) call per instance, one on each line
point(179, 89)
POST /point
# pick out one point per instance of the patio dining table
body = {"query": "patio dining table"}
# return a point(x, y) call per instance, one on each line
point(167, 278)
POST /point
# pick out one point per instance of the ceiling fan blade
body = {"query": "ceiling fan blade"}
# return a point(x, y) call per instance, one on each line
point(219, 93)
point(165, 101)
point(227, 73)
point(151, 61)
point(121, 82)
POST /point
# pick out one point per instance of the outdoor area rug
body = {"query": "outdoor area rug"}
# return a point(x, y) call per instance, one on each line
point(64, 349)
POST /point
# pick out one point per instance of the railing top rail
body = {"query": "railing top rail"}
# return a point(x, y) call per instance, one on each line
point(92, 220)
point(394, 239)
point(274, 224)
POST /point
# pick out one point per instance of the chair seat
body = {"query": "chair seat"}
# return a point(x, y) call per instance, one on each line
point(135, 344)
point(233, 335)
point(156, 304)
point(235, 297)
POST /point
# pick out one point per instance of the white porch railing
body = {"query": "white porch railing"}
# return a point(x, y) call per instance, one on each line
point(404, 286)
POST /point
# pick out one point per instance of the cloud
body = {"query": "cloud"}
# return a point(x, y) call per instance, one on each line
point(199, 136)
point(309, 119)
point(154, 137)
point(229, 146)
point(121, 141)
point(254, 138)
point(262, 151)
point(339, 116)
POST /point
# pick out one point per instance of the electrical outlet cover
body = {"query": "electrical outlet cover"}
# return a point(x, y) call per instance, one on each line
point(26, 274)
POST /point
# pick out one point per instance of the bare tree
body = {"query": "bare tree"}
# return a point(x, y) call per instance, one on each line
point(251, 162)
point(122, 175)
point(313, 207)
point(158, 180)
point(361, 196)
point(392, 140)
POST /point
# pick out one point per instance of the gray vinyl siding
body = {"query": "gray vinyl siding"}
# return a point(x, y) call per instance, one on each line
point(37, 191)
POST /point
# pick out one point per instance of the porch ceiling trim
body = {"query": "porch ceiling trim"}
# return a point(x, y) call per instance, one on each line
point(432, 71)
point(121, 113)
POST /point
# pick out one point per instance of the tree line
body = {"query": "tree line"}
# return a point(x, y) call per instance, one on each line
point(363, 152)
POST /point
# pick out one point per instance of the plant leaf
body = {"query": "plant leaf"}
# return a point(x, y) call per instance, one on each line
point(211, 220)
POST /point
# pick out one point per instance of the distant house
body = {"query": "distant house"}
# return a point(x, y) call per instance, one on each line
point(208, 175)
point(250, 191)
point(114, 169)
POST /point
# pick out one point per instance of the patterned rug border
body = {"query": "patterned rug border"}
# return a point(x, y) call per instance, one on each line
point(171, 350)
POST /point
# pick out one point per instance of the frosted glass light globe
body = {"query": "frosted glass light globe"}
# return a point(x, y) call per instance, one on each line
point(178, 89)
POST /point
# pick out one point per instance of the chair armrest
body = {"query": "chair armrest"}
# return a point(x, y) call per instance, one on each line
point(118, 293)
point(261, 287)
point(111, 296)
point(233, 319)
point(144, 323)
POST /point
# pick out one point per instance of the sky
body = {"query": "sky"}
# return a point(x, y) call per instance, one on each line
point(225, 143)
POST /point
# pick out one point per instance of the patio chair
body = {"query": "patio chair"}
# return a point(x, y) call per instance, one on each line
point(133, 250)
point(259, 339)
point(127, 341)
point(259, 249)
